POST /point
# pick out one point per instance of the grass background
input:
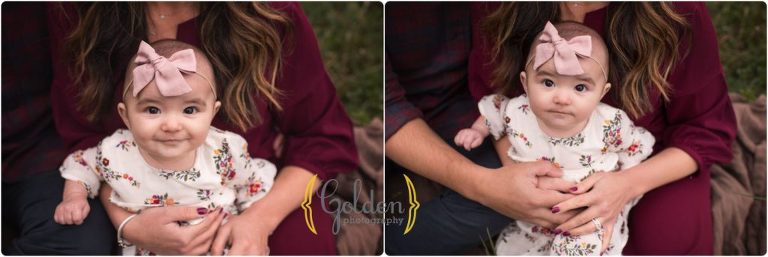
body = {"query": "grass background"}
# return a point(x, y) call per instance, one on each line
point(740, 28)
point(350, 37)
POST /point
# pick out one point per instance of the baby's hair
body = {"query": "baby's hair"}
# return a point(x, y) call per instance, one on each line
point(168, 47)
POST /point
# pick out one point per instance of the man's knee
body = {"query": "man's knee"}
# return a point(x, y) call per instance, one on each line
point(41, 235)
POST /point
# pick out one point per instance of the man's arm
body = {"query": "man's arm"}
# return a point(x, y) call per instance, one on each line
point(510, 190)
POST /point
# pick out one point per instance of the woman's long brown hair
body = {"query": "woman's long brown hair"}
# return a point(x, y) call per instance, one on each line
point(243, 40)
point(642, 39)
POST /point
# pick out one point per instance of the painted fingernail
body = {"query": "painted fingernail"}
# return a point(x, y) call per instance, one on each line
point(557, 231)
point(555, 209)
point(566, 233)
point(221, 210)
point(226, 214)
point(573, 189)
point(202, 211)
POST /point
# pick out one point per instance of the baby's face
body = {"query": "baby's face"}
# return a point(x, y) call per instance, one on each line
point(562, 103)
point(167, 129)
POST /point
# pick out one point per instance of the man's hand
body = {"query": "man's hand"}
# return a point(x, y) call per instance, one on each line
point(512, 190)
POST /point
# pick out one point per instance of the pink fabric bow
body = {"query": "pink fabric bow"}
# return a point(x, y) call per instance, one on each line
point(564, 52)
point(165, 72)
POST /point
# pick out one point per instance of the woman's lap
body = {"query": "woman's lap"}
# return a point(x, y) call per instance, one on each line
point(292, 236)
point(672, 220)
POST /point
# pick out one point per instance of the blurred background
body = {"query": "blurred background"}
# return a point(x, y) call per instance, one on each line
point(740, 28)
point(351, 39)
point(350, 35)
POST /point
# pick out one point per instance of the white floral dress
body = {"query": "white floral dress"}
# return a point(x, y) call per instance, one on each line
point(609, 142)
point(224, 175)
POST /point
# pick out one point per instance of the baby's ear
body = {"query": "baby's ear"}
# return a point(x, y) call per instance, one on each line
point(606, 88)
point(522, 81)
point(123, 114)
point(216, 107)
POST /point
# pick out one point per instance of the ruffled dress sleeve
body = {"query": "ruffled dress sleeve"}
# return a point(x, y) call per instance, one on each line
point(253, 178)
point(633, 144)
point(492, 108)
point(81, 166)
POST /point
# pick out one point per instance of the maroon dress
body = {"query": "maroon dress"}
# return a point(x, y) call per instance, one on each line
point(675, 218)
point(318, 131)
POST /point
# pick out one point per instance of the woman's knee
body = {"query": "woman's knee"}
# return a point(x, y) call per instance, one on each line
point(672, 221)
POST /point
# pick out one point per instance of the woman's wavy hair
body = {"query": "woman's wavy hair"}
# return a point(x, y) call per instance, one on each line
point(642, 40)
point(244, 41)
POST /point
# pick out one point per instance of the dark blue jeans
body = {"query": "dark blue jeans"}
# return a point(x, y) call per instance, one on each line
point(28, 208)
point(450, 223)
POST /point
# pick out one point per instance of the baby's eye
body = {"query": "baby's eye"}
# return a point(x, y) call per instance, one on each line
point(581, 87)
point(152, 110)
point(190, 110)
point(549, 83)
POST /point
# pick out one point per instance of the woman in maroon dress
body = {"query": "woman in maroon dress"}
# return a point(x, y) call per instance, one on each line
point(667, 74)
point(266, 56)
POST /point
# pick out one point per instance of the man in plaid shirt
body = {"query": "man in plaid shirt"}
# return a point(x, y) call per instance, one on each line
point(33, 150)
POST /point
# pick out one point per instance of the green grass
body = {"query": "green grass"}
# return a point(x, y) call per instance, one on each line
point(740, 28)
point(350, 35)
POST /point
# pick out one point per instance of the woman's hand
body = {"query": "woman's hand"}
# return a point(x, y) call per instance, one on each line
point(156, 229)
point(512, 190)
point(601, 196)
point(243, 235)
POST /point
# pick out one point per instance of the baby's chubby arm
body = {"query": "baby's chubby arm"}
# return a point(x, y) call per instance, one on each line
point(81, 182)
point(74, 204)
point(472, 137)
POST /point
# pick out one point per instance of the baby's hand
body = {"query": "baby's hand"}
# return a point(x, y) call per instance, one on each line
point(72, 211)
point(468, 138)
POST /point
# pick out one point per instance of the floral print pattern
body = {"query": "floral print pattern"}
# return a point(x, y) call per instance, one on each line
point(160, 200)
point(184, 175)
point(224, 165)
point(600, 147)
point(524, 108)
point(124, 144)
point(551, 160)
point(576, 140)
point(520, 136)
point(109, 175)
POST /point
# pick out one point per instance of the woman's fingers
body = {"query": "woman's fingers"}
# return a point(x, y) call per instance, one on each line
point(172, 214)
point(587, 184)
point(580, 219)
point(607, 232)
point(578, 201)
point(203, 234)
point(220, 241)
point(549, 183)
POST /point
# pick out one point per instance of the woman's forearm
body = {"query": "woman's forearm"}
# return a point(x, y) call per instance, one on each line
point(417, 148)
point(285, 196)
point(669, 165)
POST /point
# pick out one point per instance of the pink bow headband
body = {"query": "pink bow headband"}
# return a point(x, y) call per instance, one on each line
point(564, 52)
point(167, 72)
